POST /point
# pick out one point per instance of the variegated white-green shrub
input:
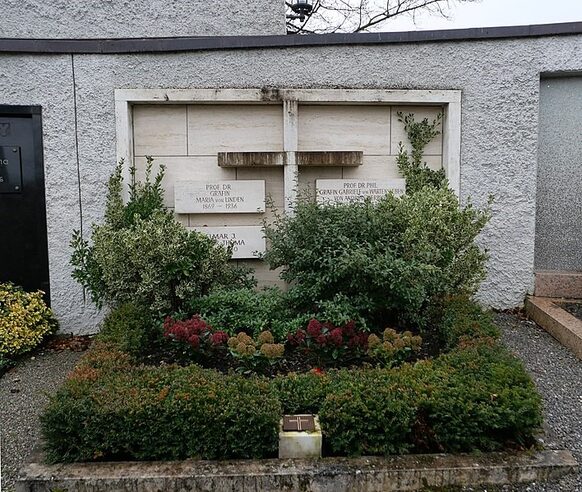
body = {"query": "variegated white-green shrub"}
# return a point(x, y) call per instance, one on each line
point(142, 255)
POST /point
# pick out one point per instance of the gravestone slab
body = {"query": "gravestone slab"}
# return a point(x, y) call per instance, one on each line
point(355, 190)
point(213, 197)
point(247, 241)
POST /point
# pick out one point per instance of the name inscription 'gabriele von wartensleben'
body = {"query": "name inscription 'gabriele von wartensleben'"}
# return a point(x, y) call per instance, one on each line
point(212, 197)
point(354, 190)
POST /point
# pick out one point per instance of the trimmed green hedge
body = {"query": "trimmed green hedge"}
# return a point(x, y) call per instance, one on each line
point(475, 398)
point(168, 413)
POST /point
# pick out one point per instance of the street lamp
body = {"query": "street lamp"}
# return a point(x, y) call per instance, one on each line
point(302, 9)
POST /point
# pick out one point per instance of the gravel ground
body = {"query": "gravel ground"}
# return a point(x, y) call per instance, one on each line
point(558, 376)
point(574, 308)
point(557, 373)
point(23, 394)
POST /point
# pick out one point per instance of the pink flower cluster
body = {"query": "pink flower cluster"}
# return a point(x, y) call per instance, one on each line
point(194, 331)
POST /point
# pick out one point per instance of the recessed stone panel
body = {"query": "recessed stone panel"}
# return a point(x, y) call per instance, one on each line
point(234, 128)
point(344, 127)
point(159, 130)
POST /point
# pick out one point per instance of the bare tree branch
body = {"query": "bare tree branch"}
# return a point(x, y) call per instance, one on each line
point(330, 16)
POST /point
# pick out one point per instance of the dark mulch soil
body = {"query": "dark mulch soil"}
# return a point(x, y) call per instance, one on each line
point(574, 308)
point(293, 361)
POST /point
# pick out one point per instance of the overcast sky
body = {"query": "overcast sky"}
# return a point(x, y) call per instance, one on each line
point(485, 13)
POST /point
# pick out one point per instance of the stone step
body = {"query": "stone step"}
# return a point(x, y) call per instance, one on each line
point(558, 284)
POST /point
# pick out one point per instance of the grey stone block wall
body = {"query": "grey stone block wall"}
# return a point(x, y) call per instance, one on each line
point(49, 19)
point(559, 183)
point(499, 79)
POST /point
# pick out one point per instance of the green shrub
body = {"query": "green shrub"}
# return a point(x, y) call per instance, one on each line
point(417, 174)
point(249, 310)
point(478, 398)
point(252, 311)
point(303, 393)
point(133, 329)
point(460, 318)
point(25, 320)
point(385, 260)
point(142, 255)
point(166, 413)
point(371, 412)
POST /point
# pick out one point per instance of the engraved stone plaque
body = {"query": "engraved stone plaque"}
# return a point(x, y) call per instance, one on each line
point(247, 241)
point(298, 423)
point(217, 197)
point(10, 170)
point(355, 190)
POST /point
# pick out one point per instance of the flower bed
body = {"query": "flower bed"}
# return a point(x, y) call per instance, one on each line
point(476, 397)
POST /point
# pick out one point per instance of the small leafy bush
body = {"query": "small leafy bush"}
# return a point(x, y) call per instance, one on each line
point(195, 338)
point(132, 328)
point(249, 310)
point(480, 398)
point(142, 255)
point(256, 355)
point(25, 320)
point(305, 392)
point(474, 398)
point(393, 348)
point(170, 413)
point(372, 413)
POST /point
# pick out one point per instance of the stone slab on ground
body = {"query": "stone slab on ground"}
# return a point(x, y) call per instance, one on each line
point(373, 474)
point(563, 326)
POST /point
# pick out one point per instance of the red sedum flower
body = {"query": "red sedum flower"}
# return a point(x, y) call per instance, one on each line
point(218, 338)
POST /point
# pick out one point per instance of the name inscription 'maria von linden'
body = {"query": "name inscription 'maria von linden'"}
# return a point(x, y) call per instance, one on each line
point(212, 197)
point(247, 241)
point(354, 190)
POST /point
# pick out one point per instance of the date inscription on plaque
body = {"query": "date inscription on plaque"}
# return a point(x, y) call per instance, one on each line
point(218, 197)
point(10, 170)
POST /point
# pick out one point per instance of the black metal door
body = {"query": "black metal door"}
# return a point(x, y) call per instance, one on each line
point(23, 234)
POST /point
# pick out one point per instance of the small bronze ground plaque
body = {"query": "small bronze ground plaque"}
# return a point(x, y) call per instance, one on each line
point(298, 423)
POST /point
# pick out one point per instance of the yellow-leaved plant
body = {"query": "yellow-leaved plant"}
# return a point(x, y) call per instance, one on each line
point(25, 320)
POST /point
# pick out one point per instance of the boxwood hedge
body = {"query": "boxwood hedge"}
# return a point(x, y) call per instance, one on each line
point(478, 397)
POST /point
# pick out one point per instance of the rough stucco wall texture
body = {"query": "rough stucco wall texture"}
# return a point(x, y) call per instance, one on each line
point(42, 19)
point(499, 80)
point(559, 191)
point(47, 81)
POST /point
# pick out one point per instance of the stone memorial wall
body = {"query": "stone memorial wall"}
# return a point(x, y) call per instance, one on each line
point(225, 163)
